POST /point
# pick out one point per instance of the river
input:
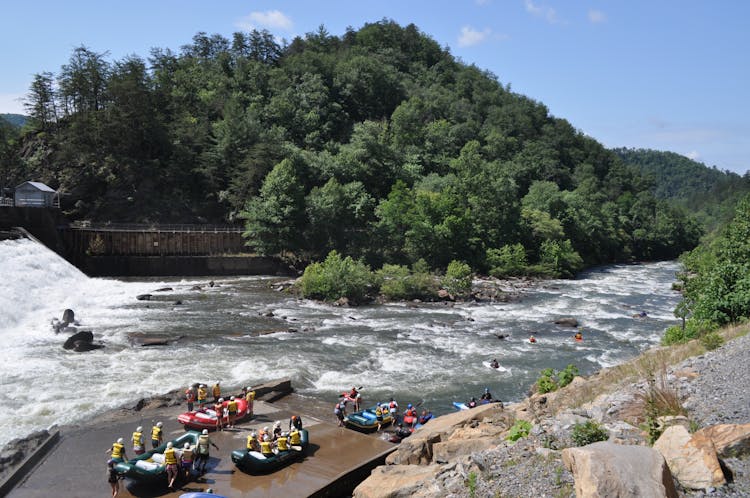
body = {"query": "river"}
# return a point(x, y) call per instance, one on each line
point(241, 330)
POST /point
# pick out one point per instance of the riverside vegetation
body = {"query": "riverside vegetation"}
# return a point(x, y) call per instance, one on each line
point(378, 144)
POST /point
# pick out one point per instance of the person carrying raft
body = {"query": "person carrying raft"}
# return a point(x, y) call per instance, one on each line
point(117, 451)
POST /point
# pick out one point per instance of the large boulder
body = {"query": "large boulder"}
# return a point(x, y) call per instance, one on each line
point(84, 336)
point(417, 449)
point(399, 481)
point(692, 459)
point(449, 451)
point(608, 469)
point(728, 439)
point(567, 321)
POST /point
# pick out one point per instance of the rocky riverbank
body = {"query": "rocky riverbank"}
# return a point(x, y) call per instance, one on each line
point(675, 396)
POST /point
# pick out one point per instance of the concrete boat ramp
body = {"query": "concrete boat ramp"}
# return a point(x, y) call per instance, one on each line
point(337, 459)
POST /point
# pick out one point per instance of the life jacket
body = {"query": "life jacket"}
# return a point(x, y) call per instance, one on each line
point(156, 433)
point(378, 412)
point(250, 396)
point(265, 448)
point(169, 457)
point(189, 395)
point(251, 442)
point(202, 393)
point(117, 450)
point(137, 439)
point(411, 412)
point(232, 406)
point(217, 391)
point(261, 435)
point(295, 438)
point(202, 447)
point(187, 455)
point(282, 444)
point(392, 405)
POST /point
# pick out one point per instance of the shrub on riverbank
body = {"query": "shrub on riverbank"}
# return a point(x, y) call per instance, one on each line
point(399, 282)
point(338, 277)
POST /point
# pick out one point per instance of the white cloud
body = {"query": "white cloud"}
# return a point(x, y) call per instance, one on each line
point(274, 19)
point(694, 155)
point(542, 11)
point(12, 103)
point(470, 36)
point(597, 16)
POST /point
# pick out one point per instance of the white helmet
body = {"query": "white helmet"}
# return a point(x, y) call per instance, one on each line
point(221, 400)
point(159, 424)
point(169, 444)
point(248, 388)
point(277, 423)
point(232, 398)
point(253, 434)
point(120, 440)
point(205, 431)
point(187, 446)
point(138, 429)
point(265, 429)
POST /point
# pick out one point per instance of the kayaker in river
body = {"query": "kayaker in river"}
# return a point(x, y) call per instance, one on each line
point(494, 363)
point(578, 336)
point(425, 417)
point(487, 396)
point(532, 339)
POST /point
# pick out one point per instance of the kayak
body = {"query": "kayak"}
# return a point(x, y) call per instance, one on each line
point(254, 462)
point(497, 369)
point(365, 420)
point(206, 418)
point(458, 405)
point(149, 467)
point(200, 494)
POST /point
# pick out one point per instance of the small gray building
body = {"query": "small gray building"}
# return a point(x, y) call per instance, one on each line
point(36, 194)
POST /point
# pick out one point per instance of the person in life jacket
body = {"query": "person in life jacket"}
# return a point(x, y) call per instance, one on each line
point(232, 411)
point(112, 478)
point(295, 422)
point(411, 412)
point(276, 430)
point(264, 434)
point(189, 398)
point(117, 451)
point(339, 414)
point(252, 442)
point(250, 397)
point(295, 439)
point(156, 435)
point(282, 443)
point(486, 396)
point(532, 339)
point(265, 449)
point(186, 459)
point(379, 415)
point(202, 450)
point(202, 395)
point(219, 409)
point(216, 392)
point(138, 446)
point(578, 336)
point(170, 460)
point(402, 432)
point(472, 403)
point(425, 417)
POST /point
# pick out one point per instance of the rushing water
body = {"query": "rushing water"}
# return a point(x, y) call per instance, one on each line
point(433, 353)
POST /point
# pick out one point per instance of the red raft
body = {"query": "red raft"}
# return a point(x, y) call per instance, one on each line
point(206, 418)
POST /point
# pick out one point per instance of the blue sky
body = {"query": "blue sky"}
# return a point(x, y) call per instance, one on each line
point(666, 75)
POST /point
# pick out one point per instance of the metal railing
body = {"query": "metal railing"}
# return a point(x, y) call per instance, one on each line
point(154, 227)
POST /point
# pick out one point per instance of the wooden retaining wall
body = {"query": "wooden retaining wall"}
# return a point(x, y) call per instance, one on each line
point(195, 242)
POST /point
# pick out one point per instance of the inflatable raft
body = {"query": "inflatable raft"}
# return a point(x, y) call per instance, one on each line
point(149, 467)
point(253, 462)
point(206, 418)
point(365, 420)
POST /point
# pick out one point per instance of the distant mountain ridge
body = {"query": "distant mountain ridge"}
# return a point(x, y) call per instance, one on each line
point(710, 193)
point(17, 120)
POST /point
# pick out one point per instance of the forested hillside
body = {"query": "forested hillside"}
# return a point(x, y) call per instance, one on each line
point(711, 194)
point(16, 120)
point(378, 144)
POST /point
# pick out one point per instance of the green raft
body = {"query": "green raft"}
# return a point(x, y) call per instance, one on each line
point(253, 462)
point(366, 421)
point(149, 467)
